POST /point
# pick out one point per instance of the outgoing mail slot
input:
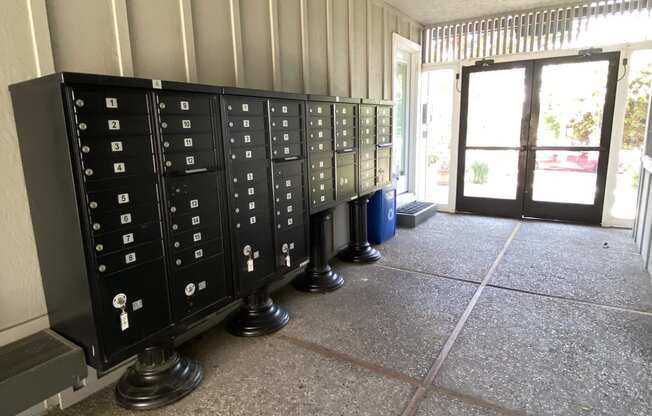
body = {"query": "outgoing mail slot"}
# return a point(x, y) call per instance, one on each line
point(287, 169)
point(204, 183)
point(117, 166)
point(319, 109)
point(286, 137)
point(246, 123)
point(107, 101)
point(367, 111)
point(127, 193)
point(112, 125)
point(124, 218)
point(185, 123)
point(129, 257)
point(248, 173)
point(280, 151)
point(345, 158)
point(246, 138)
point(247, 154)
point(321, 146)
point(187, 142)
point(176, 163)
point(192, 238)
point(283, 108)
point(286, 123)
point(126, 146)
point(180, 104)
point(243, 106)
point(197, 253)
point(127, 237)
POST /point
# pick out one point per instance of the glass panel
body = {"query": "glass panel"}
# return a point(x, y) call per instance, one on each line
point(495, 108)
point(437, 130)
point(565, 176)
point(491, 173)
point(629, 156)
point(400, 117)
point(572, 99)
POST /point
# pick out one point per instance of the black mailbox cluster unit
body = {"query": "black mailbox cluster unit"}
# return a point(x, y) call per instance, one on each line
point(155, 204)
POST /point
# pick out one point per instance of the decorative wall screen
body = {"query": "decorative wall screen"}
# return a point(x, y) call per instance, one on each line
point(583, 25)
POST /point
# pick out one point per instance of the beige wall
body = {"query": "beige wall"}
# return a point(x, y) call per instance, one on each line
point(337, 47)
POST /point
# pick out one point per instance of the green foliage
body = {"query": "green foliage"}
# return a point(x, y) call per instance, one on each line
point(636, 109)
point(480, 172)
point(552, 125)
point(583, 127)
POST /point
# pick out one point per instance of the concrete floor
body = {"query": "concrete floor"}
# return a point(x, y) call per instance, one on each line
point(465, 315)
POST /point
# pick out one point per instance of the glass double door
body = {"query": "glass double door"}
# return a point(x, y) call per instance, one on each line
point(534, 137)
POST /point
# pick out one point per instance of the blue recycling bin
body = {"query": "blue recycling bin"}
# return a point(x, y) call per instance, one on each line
point(381, 214)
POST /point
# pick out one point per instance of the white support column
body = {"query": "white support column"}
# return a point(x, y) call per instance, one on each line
point(122, 40)
point(188, 40)
point(41, 42)
point(236, 34)
point(305, 47)
point(275, 45)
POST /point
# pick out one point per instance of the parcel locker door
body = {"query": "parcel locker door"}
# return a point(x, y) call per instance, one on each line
point(134, 305)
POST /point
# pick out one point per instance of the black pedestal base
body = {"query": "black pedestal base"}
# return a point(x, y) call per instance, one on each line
point(353, 254)
point(314, 281)
point(159, 377)
point(258, 316)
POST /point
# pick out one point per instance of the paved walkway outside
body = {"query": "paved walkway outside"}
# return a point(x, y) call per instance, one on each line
point(464, 315)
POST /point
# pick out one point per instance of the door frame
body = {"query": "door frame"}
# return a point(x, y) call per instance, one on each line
point(493, 206)
point(558, 211)
point(413, 50)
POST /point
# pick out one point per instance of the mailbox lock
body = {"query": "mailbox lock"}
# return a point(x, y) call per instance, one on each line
point(102, 268)
point(190, 289)
point(89, 172)
point(93, 204)
point(177, 244)
point(162, 105)
point(178, 262)
point(120, 301)
point(96, 226)
point(246, 250)
point(85, 149)
point(82, 126)
point(173, 209)
point(99, 247)
point(284, 248)
point(168, 164)
point(175, 227)
point(166, 144)
point(164, 125)
point(79, 102)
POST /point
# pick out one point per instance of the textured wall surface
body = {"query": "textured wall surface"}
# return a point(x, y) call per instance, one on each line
point(337, 47)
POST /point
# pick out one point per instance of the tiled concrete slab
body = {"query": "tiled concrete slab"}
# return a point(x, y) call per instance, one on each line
point(562, 235)
point(605, 276)
point(437, 404)
point(465, 256)
point(453, 225)
point(552, 357)
point(269, 376)
point(390, 318)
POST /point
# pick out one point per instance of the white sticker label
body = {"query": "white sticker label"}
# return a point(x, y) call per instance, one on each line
point(125, 218)
point(194, 203)
point(116, 146)
point(321, 146)
point(128, 238)
point(124, 321)
point(195, 220)
point(199, 253)
point(288, 195)
point(111, 102)
point(252, 205)
point(290, 221)
point(284, 109)
point(196, 237)
point(245, 107)
point(248, 154)
point(186, 124)
point(286, 150)
point(322, 187)
point(156, 83)
point(247, 138)
point(201, 285)
point(250, 176)
point(284, 123)
point(130, 258)
point(190, 160)
point(250, 191)
point(344, 110)
point(288, 183)
point(187, 142)
point(137, 305)
point(114, 124)
point(319, 110)
point(119, 167)
point(252, 220)
point(185, 105)
point(319, 122)
point(123, 198)
point(321, 163)
point(321, 175)
point(245, 123)
point(286, 137)
point(320, 134)
point(323, 198)
point(344, 122)
point(250, 265)
point(290, 208)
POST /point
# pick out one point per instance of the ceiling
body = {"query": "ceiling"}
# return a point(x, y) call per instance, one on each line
point(439, 11)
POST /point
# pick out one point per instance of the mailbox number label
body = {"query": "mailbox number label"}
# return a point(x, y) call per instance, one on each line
point(185, 105)
point(186, 124)
point(284, 109)
point(116, 146)
point(119, 167)
point(111, 102)
point(195, 220)
point(187, 142)
point(114, 124)
point(190, 160)
point(125, 218)
point(248, 154)
point(247, 138)
point(245, 123)
point(252, 205)
point(123, 198)
point(199, 253)
point(194, 203)
point(130, 258)
point(252, 220)
point(128, 238)
point(250, 191)
point(250, 176)
point(245, 107)
point(196, 237)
